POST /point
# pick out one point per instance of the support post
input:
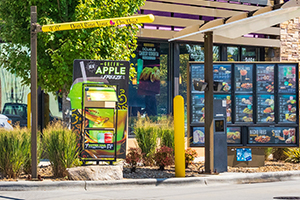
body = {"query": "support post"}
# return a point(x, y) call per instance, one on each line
point(179, 136)
point(209, 99)
point(34, 103)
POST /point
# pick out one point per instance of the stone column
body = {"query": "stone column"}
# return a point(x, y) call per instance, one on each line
point(289, 38)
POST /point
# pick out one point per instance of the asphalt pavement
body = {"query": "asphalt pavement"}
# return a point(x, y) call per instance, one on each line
point(220, 179)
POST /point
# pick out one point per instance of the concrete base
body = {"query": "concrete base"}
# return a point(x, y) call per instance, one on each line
point(96, 172)
point(258, 158)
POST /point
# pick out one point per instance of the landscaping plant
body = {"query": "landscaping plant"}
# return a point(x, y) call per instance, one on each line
point(15, 151)
point(60, 145)
point(164, 157)
point(293, 155)
point(166, 132)
point(190, 155)
point(146, 136)
point(133, 157)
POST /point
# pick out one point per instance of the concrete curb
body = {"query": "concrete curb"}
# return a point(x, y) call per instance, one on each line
point(223, 178)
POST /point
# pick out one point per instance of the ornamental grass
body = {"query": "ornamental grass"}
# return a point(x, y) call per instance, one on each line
point(60, 145)
point(15, 151)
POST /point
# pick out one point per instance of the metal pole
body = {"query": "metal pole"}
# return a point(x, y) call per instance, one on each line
point(33, 31)
point(209, 99)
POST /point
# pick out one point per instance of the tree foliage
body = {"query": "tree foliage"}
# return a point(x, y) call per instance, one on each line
point(57, 50)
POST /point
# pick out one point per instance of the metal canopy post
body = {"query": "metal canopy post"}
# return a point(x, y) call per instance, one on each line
point(208, 104)
point(33, 30)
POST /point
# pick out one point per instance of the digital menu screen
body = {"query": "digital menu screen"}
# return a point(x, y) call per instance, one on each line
point(265, 78)
point(228, 105)
point(287, 78)
point(197, 108)
point(243, 77)
point(222, 73)
point(198, 135)
point(234, 135)
point(197, 73)
point(244, 110)
point(272, 135)
point(287, 108)
point(265, 108)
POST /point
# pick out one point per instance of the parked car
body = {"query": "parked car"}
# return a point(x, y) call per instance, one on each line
point(5, 122)
point(17, 112)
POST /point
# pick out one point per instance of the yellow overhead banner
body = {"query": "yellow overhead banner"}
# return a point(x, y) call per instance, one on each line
point(98, 23)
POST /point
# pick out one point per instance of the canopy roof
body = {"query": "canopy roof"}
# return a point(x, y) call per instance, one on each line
point(248, 22)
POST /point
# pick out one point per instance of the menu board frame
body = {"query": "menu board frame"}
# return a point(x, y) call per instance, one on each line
point(273, 89)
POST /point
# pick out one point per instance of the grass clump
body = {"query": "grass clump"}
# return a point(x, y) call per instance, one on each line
point(146, 136)
point(15, 151)
point(293, 155)
point(61, 148)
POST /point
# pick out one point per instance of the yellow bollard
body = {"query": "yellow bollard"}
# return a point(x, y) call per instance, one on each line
point(178, 108)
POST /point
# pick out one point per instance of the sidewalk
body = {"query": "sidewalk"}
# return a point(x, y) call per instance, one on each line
point(223, 178)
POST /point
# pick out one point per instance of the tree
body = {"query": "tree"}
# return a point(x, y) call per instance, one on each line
point(57, 50)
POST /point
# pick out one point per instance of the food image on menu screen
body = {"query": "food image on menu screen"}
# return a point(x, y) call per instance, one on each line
point(288, 108)
point(265, 78)
point(287, 78)
point(197, 73)
point(275, 135)
point(243, 77)
point(234, 135)
point(244, 110)
point(228, 104)
point(222, 73)
point(198, 135)
point(265, 108)
point(198, 108)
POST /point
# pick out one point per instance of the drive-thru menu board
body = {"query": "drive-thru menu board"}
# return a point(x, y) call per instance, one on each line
point(261, 103)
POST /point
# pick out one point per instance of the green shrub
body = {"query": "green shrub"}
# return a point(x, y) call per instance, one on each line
point(15, 151)
point(166, 132)
point(146, 136)
point(60, 145)
point(293, 155)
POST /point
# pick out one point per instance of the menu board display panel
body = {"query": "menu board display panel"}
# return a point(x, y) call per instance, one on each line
point(197, 108)
point(198, 135)
point(222, 73)
point(243, 77)
point(197, 73)
point(234, 135)
point(265, 108)
point(287, 78)
point(287, 108)
point(265, 78)
point(272, 135)
point(244, 110)
point(228, 105)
